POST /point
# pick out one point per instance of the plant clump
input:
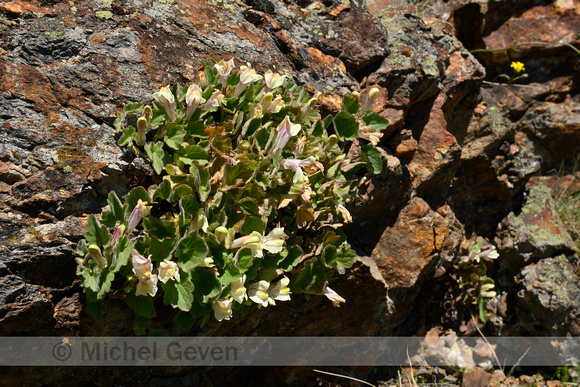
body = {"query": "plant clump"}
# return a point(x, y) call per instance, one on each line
point(250, 193)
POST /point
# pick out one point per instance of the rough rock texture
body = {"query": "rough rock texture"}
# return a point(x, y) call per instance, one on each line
point(457, 157)
point(548, 298)
point(534, 233)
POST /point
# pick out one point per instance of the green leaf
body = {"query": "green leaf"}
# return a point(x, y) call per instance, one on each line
point(482, 309)
point(127, 136)
point(375, 121)
point(211, 75)
point(92, 280)
point(196, 128)
point(189, 205)
point(103, 279)
point(133, 107)
point(292, 259)
point(318, 130)
point(141, 305)
point(184, 320)
point(120, 121)
point(160, 229)
point(202, 183)
point(199, 309)
point(191, 251)
point(222, 143)
point(329, 255)
point(345, 257)
point(174, 136)
point(244, 259)
point(249, 206)
point(156, 155)
point(346, 126)
point(96, 309)
point(207, 284)
point(164, 191)
point(180, 191)
point(121, 254)
point(161, 249)
point(253, 125)
point(140, 325)
point(230, 274)
point(178, 295)
point(311, 276)
point(253, 223)
point(193, 153)
point(261, 137)
point(350, 104)
point(158, 114)
point(272, 260)
point(133, 197)
point(372, 156)
point(97, 233)
point(117, 212)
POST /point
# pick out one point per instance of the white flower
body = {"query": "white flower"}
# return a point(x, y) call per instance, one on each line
point(222, 309)
point(165, 98)
point(490, 253)
point(366, 133)
point(207, 262)
point(142, 267)
point(258, 293)
point(345, 213)
point(273, 80)
point(333, 296)
point(238, 290)
point(280, 291)
point(285, 130)
point(297, 165)
point(147, 286)
point(224, 68)
point(247, 76)
point(168, 270)
point(193, 99)
point(475, 252)
point(273, 242)
point(264, 294)
point(216, 100)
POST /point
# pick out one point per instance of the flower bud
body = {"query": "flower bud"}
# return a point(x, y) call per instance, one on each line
point(95, 254)
point(306, 109)
point(148, 114)
point(141, 131)
point(139, 212)
point(221, 233)
point(373, 94)
point(118, 233)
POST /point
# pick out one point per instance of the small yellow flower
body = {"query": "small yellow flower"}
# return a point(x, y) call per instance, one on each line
point(518, 67)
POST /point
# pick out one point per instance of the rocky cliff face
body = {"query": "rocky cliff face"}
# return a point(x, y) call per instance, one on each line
point(458, 153)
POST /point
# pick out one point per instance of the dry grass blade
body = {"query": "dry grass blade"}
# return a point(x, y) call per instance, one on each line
point(344, 376)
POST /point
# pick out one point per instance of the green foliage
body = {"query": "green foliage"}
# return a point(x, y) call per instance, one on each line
point(247, 204)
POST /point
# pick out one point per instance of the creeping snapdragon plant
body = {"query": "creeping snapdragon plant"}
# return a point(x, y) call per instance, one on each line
point(475, 287)
point(248, 201)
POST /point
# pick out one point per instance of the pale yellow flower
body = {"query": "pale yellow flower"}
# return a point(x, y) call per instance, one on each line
point(222, 309)
point(168, 270)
